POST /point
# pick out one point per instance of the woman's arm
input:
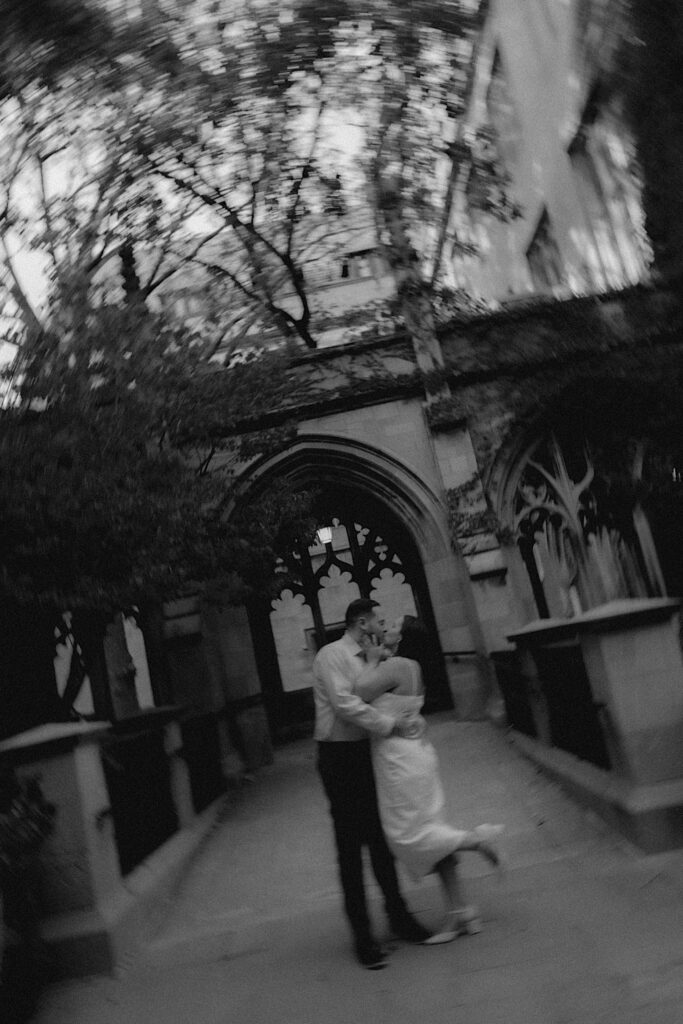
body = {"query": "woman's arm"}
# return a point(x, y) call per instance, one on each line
point(376, 678)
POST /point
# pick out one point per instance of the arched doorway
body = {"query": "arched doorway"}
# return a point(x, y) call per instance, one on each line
point(371, 553)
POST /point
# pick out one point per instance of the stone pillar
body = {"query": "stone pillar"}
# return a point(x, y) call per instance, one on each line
point(468, 682)
point(180, 776)
point(471, 524)
point(632, 655)
point(121, 670)
point(633, 659)
point(79, 861)
point(232, 663)
point(192, 684)
point(470, 674)
point(476, 622)
point(537, 699)
point(91, 916)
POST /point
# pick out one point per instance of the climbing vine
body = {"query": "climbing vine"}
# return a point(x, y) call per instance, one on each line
point(468, 512)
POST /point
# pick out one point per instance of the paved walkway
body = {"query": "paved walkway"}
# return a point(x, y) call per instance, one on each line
point(582, 929)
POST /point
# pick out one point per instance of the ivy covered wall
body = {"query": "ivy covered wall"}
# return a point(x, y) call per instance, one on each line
point(507, 371)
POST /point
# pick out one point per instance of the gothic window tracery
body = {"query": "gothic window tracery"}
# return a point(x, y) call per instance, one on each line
point(319, 580)
point(576, 552)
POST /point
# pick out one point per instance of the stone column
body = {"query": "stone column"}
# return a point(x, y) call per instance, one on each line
point(632, 654)
point(79, 861)
point(180, 775)
point(232, 663)
point(121, 670)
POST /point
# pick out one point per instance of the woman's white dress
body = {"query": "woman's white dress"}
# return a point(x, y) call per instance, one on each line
point(409, 790)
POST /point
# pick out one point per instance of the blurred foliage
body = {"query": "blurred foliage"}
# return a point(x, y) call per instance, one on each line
point(40, 39)
point(117, 457)
point(26, 820)
point(174, 170)
point(209, 137)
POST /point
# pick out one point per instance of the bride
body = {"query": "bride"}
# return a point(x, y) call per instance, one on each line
point(409, 790)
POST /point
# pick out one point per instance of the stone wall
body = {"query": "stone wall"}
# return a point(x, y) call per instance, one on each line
point(508, 373)
point(506, 370)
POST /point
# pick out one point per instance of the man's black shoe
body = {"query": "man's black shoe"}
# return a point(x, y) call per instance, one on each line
point(406, 927)
point(371, 956)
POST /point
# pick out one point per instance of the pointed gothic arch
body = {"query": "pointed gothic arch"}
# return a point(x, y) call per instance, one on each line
point(390, 542)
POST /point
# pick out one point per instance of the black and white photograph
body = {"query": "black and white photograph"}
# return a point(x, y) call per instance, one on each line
point(341, 511)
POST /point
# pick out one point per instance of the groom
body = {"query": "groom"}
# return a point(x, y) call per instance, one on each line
point(343, 723)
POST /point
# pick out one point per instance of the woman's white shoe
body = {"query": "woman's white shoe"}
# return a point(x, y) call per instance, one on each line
point(465, 921)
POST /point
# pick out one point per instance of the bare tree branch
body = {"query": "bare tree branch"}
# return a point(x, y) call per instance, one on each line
point(305, 171)
point(47, 212)
point(251, 234)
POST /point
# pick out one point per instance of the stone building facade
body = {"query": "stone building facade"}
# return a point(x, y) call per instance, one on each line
point(528, 491)
point(544, 484)
point(541, 485)
point(468, 504)
point(545, 92)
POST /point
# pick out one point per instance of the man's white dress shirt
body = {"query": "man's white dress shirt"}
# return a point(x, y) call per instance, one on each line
point(340, 715)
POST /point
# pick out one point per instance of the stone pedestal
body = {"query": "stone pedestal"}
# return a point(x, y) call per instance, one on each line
point(633, 660)
point(632, 654)
point(180, 776)
point(92, 916)
point(79, 864)
point(470, 690)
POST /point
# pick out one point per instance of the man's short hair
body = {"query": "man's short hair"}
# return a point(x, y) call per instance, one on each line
point(358, 609)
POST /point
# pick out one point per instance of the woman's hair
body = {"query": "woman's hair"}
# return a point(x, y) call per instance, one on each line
point(413, 640)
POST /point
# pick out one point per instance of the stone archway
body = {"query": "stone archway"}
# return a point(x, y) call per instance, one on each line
point(390, 542)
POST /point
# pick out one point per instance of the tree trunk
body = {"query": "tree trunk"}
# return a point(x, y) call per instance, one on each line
point(28, 687)
point(129, 275)
point(89, 629)
point(413, 292)
point(151, 622)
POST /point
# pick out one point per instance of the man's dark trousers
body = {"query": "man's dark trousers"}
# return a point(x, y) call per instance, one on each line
point(348, 780)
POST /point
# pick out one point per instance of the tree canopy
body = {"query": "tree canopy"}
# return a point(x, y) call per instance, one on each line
point(179, 175)
point(254, 125)
point(117, 462)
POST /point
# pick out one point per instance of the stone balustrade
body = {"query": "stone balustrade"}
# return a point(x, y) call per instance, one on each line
point(631, 653)
point(100, 895)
